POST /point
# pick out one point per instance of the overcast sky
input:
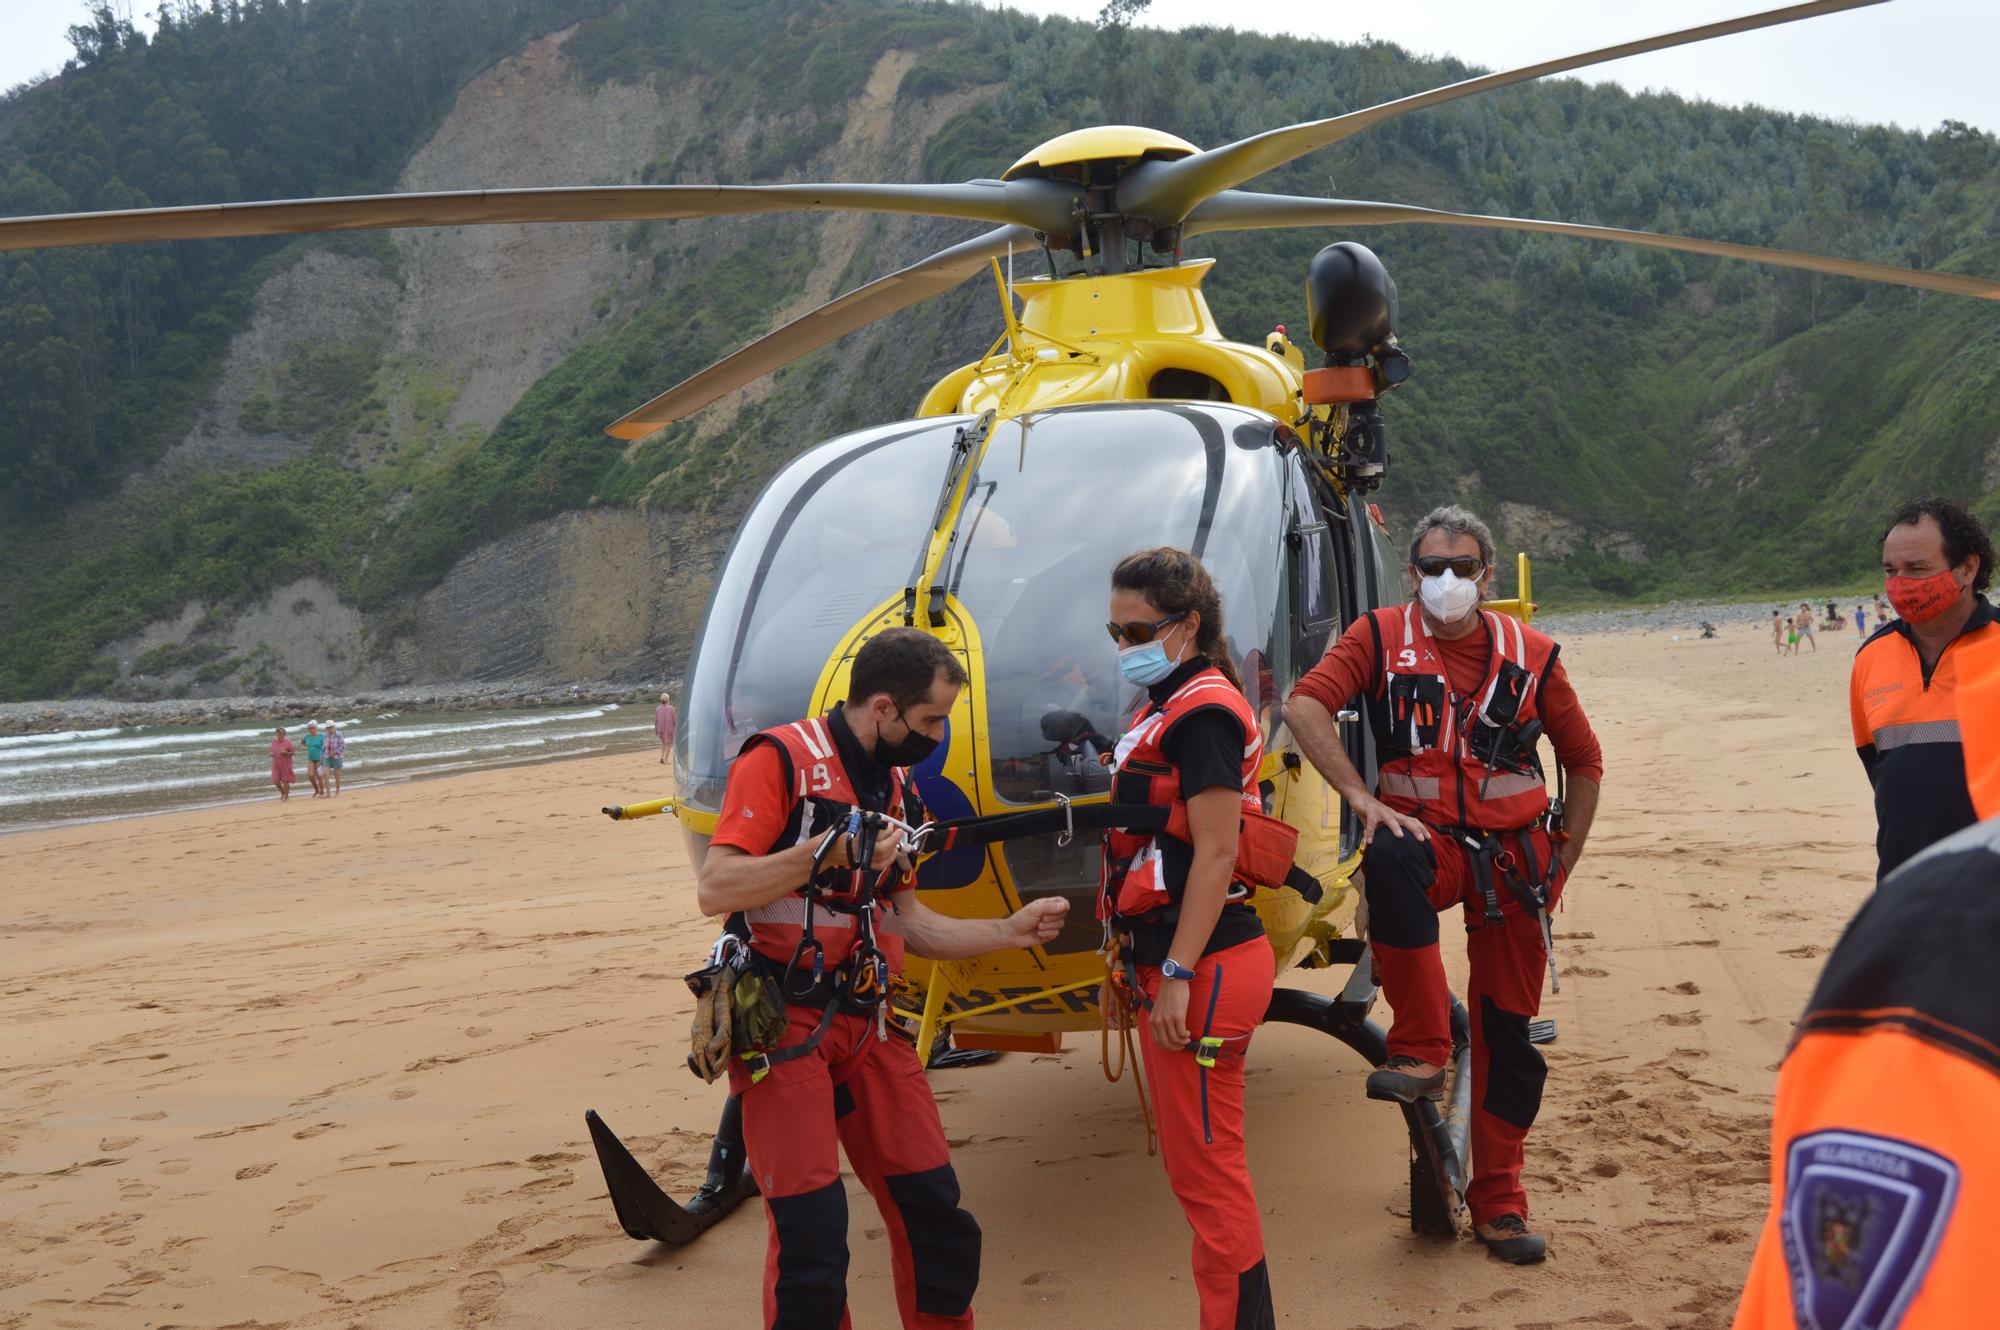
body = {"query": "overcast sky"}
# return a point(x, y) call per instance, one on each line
point(1907, 62)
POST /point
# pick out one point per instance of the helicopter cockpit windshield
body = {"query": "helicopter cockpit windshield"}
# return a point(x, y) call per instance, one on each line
point(1058, 498)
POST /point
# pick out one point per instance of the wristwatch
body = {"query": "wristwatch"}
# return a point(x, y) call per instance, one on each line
point(1173, 969)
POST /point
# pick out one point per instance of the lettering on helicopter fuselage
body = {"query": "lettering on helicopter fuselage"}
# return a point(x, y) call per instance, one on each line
point(1082, 1001)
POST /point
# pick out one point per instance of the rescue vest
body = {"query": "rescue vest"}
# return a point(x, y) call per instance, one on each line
point(1451, 760)
point(1134, 880)
point(822, 796)
point(1907, 732)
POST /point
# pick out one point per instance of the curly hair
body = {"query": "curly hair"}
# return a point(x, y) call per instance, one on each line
point(1963, 534)
point(1175, 581)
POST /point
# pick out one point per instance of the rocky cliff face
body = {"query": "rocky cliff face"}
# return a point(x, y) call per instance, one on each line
point(437, 335)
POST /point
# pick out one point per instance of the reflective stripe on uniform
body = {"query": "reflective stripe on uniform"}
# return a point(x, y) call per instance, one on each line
point(1409, 787)
point(1917, 732)
point(1502, 784)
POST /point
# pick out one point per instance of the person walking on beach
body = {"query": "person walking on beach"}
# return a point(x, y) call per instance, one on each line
point(1861, 622)
point(664, 720)
point(1903, 695)
point(336, 756)
point(1804, 620)
point(281, 764)
point(1458, 698)
point(829, 1082)
point(315, 754)
point(1778, 631)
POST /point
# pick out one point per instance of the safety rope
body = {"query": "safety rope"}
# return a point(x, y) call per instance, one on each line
point(1118, 987)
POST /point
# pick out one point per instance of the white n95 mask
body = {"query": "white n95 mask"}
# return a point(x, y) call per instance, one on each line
point(1448, 597)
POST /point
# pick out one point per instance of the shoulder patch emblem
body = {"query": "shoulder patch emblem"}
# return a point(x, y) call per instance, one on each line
point(1862, 1220)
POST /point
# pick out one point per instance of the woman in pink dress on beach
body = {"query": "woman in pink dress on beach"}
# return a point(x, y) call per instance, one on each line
point(281, 764)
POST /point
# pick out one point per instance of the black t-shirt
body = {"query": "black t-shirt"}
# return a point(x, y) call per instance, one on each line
point(1207, 750)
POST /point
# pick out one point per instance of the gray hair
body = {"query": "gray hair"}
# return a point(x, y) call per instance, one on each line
point(1454, 521)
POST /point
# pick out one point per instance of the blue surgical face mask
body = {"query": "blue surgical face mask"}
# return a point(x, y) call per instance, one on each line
point(1145, 664)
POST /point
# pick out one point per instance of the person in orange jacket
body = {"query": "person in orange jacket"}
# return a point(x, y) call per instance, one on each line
point(1885, 1169)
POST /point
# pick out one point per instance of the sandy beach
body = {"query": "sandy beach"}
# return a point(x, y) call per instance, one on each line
point(325, 1064)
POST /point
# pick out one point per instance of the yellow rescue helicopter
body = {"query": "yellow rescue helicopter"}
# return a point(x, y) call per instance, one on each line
point(1109, 414)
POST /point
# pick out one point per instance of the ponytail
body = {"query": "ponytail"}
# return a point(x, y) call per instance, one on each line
point(1175, 581)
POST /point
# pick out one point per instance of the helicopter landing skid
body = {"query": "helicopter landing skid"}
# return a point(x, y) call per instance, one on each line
point(647, 1213)
point(1438, 1140)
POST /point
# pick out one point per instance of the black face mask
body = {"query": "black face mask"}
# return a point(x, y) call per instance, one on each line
point(911, 750)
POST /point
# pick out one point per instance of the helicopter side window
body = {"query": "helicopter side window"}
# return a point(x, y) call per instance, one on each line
point(1316, 580)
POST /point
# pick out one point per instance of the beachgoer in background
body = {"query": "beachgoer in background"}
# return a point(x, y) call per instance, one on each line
point(336, 755)
point(664, 720)
point(1804, 620)
point(1882, 614)
point(1792, 636)
point(1778, 631)
point(282, 775)
point(1903, 696)
point(315, 754)
point(1861, 622)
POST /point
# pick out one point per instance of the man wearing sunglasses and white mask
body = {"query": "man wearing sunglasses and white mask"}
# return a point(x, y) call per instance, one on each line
point(1458, 699)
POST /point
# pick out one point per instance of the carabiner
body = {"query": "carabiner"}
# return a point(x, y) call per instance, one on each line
point(1069, 821)
point(806, 943)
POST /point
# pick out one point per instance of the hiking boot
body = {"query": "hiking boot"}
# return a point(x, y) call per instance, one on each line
point(1509, 1238)
point(1404, 1080)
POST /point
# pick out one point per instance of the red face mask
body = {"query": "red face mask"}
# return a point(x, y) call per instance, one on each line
point(1921, 599)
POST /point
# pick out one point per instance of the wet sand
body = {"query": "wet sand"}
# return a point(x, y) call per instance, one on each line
point(325, 1064)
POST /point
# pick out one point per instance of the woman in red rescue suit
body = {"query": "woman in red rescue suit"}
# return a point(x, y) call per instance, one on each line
point(1197, 953)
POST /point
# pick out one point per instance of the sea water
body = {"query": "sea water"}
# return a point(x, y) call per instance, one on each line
point(122, 771)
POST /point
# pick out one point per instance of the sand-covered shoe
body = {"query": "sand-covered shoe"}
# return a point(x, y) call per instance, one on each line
point(1510, 1238)
point(1404, 1080)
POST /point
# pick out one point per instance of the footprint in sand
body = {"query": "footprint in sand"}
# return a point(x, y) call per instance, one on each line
point(1679, 1018)
point(317, 1129)
point(110, 1143)
point(1686, 987)
point(254, 1171)
point(1584, 971)
point(405, 1093)
point(172, 1166)
point(154, 1116)
point(1805, 953)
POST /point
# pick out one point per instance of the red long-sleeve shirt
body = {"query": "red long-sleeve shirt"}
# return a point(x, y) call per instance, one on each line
point(1349, 669)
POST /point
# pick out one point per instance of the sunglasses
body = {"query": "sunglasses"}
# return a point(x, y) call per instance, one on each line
point(1139, 632)
point(1465, 567)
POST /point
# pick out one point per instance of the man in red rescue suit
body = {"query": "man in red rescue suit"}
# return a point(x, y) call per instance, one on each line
point(1458, 698)
point(834, 1082)
point(1885, 1172)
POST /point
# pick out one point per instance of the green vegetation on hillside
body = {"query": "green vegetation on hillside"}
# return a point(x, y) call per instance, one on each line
point(1691, 426)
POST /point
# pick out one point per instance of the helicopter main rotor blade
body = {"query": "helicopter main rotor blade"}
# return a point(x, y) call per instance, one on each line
point(1236, 210)
point(835, 319)
point(1036, 203)
point(1166, 191)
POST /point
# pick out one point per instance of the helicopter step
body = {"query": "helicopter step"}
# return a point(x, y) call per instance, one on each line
point(647, 1213)
point(1439, 1141)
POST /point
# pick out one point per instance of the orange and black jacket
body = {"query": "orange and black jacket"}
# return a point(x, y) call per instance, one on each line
point(1906, 728)
point(1885, 1162)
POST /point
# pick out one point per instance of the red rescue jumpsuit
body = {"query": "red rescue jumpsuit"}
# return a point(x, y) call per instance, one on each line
point(1197, 729)
point(1429, 702)
point(854, 1090)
